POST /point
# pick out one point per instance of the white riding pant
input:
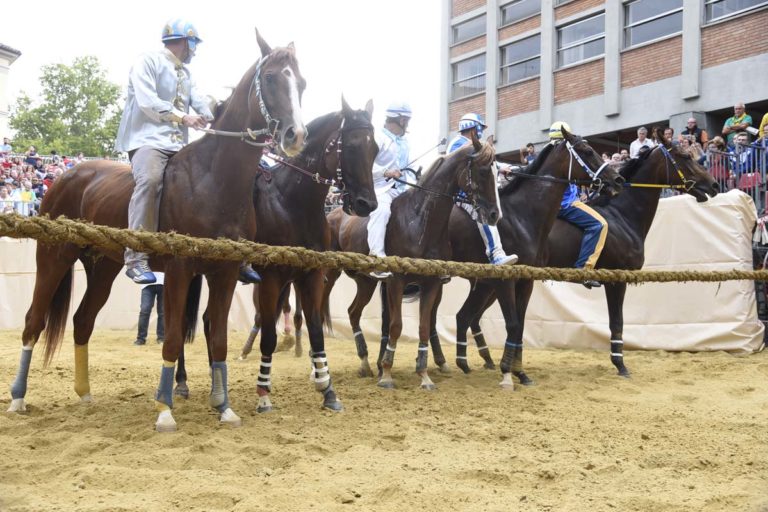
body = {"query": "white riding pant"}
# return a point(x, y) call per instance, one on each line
point(489, 234)
point(377, 222)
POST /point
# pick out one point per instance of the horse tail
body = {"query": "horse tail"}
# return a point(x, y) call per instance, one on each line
point(330, 279)
point(56, 317)
point(192, 307)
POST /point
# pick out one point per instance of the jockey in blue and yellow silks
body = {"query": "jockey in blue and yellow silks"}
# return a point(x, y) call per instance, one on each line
point(579, 214)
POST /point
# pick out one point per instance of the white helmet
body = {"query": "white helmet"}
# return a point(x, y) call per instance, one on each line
point(555, 131)
point(399, 109)
point(472, 120)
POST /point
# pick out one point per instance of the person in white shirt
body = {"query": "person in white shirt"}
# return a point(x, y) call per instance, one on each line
point(641, 141)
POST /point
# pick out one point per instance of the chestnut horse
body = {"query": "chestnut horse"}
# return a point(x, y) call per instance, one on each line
point(418, 229)
point(206, 193)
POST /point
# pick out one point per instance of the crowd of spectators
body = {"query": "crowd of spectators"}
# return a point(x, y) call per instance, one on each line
point(25, 177)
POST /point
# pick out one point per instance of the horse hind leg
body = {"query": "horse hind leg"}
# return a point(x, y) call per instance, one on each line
point(365, 289)
point(248, 346)
point(298, 320)
point(434, 339)
point(614, 294)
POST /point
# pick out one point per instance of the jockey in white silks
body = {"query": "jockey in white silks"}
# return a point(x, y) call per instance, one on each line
point(389, 165)
point(490, 234)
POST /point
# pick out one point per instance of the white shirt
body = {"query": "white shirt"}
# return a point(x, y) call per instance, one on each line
point(160, 92)
point(393, 155)
point(634, 148)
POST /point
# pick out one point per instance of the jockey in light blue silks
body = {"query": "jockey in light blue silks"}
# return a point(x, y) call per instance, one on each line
point(390, 163)
point(490, 234)
point(584, 217)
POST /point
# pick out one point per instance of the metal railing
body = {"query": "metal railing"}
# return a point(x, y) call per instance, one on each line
point(21, 207)
point(745, 169)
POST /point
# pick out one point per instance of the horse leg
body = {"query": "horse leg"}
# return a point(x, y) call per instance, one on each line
point(221, 286)
point(330, 279)
point(269, 293)
point(394, 304)
point(248, 347)
point(298, 320)
point(512, 359)
point(312, 304)
point(385, 318)
point(479, 337)
point(365, 289)
point(100, 274)
point(50, 301)
point(474, 302)
point(614, 294)
point(430, 289)
point(434, 339)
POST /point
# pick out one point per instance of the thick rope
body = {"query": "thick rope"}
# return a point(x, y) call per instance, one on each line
point(63, 230)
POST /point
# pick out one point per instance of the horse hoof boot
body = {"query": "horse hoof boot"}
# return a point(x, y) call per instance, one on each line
point(333, 405)
point(228, 417)
point(86, 398)
point(462, 363)
point(265, 404)
point(17, 405)
point(182, 390)
point(506, 383)
point(165, 422)
point(444, 368)
point(386, 384)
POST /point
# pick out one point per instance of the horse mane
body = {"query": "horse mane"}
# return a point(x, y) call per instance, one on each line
point(531, 169)
point(435, 165)
point(631, 166)
point(317, 134)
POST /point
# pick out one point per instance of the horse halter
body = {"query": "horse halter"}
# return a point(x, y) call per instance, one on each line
point(597, 182)
point(686, 184)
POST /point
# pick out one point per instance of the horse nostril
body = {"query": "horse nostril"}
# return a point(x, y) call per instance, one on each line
point(716, 187)
point(620, 180)
point(290, 134)
point(493, 217)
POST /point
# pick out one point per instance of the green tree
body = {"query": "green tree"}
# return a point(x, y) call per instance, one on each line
point(79, 111)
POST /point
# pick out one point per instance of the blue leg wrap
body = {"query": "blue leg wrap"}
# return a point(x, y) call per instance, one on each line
point(219, 394)
point(165, 390)
point(19, 386)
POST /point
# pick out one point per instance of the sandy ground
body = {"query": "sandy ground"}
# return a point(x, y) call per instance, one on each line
point(689, 432)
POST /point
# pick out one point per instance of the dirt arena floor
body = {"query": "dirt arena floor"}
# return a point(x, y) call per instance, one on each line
point(689, 432)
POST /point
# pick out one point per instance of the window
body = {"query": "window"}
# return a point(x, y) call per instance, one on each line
point(469, 29)
point(518, 10)
point(716, 9)
point(646, 20)
point(520, 59)
point(559, 2)
point(469, 76)
point(581, 40)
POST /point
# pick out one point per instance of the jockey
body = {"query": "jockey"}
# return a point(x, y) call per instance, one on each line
point(490, 234)
point(389, 163)
point(154, 127)
point(579, 214)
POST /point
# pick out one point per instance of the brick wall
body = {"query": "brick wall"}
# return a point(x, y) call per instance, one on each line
point(459, 7)
point(458, 108)
point(518, 98)
point(720, 43)
point(519, 28)
point(468, 46)
point(579, 82)
point(651, 63)
point(575, 7)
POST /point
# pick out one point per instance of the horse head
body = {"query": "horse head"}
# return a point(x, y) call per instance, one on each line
point(478, 181)
point(682, 169)
point(586, 163)
point(356, 150)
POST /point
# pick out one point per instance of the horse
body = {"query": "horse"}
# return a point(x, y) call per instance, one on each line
point(629, 218)
point(417, 228)
point(340, 150)
point(206, 193)
point(288, 339)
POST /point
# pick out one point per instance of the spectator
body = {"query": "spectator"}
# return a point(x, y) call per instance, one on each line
point(717, 162)
point(151, 293)
point(624, 154)
point(641, 141)
point(528, 154)
point(6, 147)
point(6, 203)
point(669, 134)
point(763, 127)
point(743, 156)
point(31, 156)
point(24, 197)
point(738, 123)
point(693, 129)
point(616, 158)
point(606, 156)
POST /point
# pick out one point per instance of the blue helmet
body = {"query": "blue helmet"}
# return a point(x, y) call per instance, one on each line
point(180, 28)
point(469, 121)
point(399, 109)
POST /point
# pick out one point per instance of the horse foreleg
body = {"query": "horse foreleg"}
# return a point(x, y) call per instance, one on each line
point(512, 359)
point(312, 304)
point(298, 319)
point(614, 294)
point(479, 337)
point(394, 306)
point(434, 339)
point(470, 310)
point(430, 289)
point(269, 293)
point(99, 274)
point(365, 288)
point(248, 347)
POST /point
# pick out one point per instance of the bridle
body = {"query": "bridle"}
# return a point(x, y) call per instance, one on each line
point(250, 136)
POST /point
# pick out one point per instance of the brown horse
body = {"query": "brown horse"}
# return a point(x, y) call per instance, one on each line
point(288, 339)
point(418, 228)
point(290, 207)
point(206, 192)
point(629, 218)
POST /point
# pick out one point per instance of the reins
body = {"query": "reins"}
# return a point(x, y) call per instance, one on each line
point(686, 184)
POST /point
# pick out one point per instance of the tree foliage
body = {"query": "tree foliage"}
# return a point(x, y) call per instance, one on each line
point(79, 111)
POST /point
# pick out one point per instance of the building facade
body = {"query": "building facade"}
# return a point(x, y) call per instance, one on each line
point(604, 66)
point(8, 56)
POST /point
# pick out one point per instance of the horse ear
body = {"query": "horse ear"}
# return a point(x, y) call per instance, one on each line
point(292, 47)
point(490, 140)
point(345, 108)
point(566, 134)
point(475, 141)
point(369, 108)
point(265, 48)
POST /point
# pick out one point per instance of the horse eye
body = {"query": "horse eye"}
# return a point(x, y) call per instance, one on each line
point(269, 77)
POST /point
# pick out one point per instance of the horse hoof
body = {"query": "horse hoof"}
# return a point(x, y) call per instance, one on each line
point(182, 391)
point(86, 398)
point(165, 422)
point(364, 373)
point(489, 366)
point(461, 363)
point(242, 357)
point(17, 405)
point(506, 383)
point(228, 417)
point(624, 373)
point(264, 409)
point(444, 368)
point(386, 384)
point(333, 405)
point(428, 387)
point(524, 379)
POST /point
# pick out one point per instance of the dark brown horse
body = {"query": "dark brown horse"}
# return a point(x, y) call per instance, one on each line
point(629, 218)
point(206, 192)
point(290, 207)
point(288, 339)
point(418, 228)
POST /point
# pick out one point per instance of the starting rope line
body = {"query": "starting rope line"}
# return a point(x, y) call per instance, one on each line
point(63, 230)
